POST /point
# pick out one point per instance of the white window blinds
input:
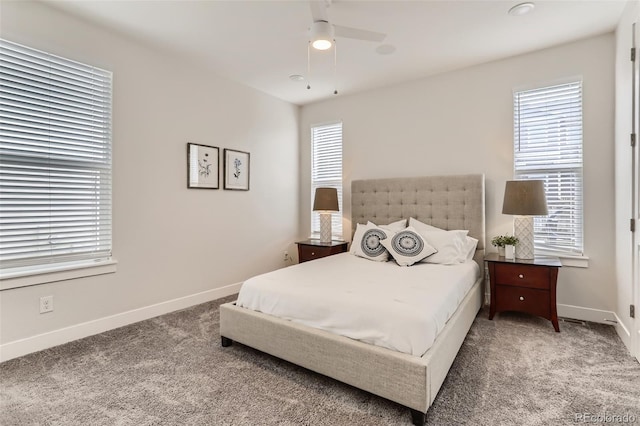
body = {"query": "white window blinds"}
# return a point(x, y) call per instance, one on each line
point(326, 171)
point(548, 146)
point(55, 159)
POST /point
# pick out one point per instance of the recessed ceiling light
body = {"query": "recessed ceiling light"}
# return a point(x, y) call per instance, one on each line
point(385, 49)
point(521, 9)
point(296, 77)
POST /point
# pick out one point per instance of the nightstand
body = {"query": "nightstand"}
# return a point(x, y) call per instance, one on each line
point(314, 249)
point(524, 285)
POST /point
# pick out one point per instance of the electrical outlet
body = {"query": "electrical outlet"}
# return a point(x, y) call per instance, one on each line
point(46, 304)
point(286, 256)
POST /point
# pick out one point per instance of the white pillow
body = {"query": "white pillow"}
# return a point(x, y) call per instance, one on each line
point(407, 247)
point(422, 227)
point(456, 248)
point(451, 246)
point(471, 246)
point(394, 226)
point(366, 242)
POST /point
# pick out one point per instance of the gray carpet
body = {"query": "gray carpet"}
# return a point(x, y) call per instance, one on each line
point(171, 370)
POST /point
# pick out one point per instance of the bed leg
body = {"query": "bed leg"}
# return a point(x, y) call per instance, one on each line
point(418, 417)
point(226, 342)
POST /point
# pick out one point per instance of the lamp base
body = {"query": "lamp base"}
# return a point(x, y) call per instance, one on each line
point(523, 230)
point(325, 227)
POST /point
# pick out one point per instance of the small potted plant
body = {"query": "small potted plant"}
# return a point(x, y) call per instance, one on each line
point(504, 243)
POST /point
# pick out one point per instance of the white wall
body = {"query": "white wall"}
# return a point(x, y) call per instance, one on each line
point(623, 175)
point(169, 241)
point(462, 122)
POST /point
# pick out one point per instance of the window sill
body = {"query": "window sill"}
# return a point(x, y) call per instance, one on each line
point(567, 260)
point(24, 277)
point(335, 237)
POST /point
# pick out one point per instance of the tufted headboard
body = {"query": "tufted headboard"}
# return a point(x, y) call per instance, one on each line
point(447, 202)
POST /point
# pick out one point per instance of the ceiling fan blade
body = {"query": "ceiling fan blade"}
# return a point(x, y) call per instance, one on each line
point(349, 32)
point(319, 10)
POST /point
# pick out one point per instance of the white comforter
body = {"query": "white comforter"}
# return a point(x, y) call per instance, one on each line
point(381, 303)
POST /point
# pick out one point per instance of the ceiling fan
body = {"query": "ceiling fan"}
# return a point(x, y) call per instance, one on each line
point(323, 32)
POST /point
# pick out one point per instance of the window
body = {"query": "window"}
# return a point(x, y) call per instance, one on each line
point(55, 161)
point(326, 170)
point(548, 146)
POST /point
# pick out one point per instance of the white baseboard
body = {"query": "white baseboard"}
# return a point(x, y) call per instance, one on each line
point(578, 312)
point(39, 342)
point(587, 314)
point(600, 316)
point(624, 334)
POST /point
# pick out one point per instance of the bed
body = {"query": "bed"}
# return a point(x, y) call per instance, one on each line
point(446, 202)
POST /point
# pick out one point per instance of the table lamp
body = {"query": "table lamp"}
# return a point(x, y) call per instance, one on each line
point(325, 202)
point(524, 199)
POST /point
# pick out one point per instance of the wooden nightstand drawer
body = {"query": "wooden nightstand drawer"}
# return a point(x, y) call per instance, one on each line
point(521, 299)
point(314, 249)
point(313, 252)
point(522, 276)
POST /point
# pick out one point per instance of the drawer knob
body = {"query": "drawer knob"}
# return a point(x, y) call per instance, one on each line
point(520, 276)
point(521, 297)
point(313, 253)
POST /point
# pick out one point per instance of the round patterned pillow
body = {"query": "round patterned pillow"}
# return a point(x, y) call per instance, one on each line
point(408, 247)
point(370, 243)
point(407, 243)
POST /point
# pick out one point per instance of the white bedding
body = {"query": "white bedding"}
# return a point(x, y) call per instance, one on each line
point(381, 303)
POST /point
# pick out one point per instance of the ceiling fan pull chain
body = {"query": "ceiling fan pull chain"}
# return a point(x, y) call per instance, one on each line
point(335, 66)
point(308, 64)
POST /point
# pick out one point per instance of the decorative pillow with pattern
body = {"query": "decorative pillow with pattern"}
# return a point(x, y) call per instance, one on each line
point(393, 227)
point(366, 242)
point(408, 247)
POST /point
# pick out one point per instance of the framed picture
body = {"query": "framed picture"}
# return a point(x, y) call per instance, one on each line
point(236, 170)
point(203, 166)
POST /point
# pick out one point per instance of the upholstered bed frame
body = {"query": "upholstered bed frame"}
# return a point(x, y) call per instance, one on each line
point(447, 202)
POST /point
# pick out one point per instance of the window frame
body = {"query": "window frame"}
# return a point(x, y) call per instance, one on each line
point(337, 228)
point(74, 100)
point(573, 256)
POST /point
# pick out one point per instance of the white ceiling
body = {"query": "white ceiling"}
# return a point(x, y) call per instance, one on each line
point(261, 43)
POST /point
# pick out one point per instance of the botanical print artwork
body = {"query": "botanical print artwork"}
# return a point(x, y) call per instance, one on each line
point(202, 165)
point(236, 170)
point(236, 165)
point(205, 165)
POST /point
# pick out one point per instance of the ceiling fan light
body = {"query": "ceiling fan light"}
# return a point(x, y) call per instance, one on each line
point(321, 44)
point(321, 35)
